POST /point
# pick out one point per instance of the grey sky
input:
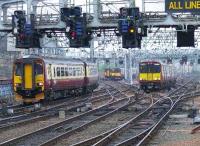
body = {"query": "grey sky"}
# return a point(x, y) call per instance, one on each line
point(159, 6)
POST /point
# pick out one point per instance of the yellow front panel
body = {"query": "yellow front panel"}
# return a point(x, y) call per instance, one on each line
point(143, 76)
point(28, 76)
point(156, 76)
point(150, 76)
point(17, 80)
point(40, 79)
point(116, 74)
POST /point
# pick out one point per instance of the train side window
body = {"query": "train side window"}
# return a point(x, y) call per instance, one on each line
point(70, 71)
point(74, 71)
point(49, 70)
point(82, 71)
point(18, 70)
point(58, 71)
point(62, 71)
point(77, 71)
point(66, 71)
point(38, 69)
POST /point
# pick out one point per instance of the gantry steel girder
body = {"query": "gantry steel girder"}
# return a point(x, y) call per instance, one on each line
point(99, 19)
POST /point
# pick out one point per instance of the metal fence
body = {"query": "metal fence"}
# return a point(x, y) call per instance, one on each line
point(6, 91)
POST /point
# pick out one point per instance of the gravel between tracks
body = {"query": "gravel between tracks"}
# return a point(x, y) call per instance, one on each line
point(24, 129)
point(109, 123)
point(21, 130)
point(177, 131)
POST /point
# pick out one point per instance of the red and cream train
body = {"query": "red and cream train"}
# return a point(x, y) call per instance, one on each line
point(36, 78)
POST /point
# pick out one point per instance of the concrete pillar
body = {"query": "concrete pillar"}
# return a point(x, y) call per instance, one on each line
point(130, 67)
point(5, 12)
point(97, 11)
point(29, 10)
point(126, 67)
point(63, 3)
point(143, 5)
point(131, 3)
point(92, 49)
point(34, 4)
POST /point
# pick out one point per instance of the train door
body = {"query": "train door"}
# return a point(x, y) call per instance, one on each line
point(28, 76)
point(85, 68)
point(50, 74)
point(39, 74)
point(149, 73)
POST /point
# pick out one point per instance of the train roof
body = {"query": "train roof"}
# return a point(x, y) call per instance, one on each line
point(150, 62)
point(53, 60)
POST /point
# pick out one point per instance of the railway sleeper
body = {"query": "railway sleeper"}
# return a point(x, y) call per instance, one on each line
point(63, 129)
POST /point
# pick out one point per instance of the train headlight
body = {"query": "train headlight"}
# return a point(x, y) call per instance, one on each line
point(18, 84)
point(40, 84)
point(157, 78)
point(141, 78)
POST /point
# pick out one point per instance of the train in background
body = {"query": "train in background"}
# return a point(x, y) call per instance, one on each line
point(36, 78)
point(113, 74)
point(155, 76)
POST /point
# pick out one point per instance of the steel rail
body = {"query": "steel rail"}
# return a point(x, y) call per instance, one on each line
point(97, 138)
point(54, 107)
point(53, 113)
point(59, 137)
point(113, 134)
point(61, 123)
point(158, 124)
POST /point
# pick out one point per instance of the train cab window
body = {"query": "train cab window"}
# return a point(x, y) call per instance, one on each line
point(143, 68)
point(18, 70)
point(38, 69)
point(66, 71)
point(155, 68)
point(58, 71)
point(62, 71)
point(117, 70)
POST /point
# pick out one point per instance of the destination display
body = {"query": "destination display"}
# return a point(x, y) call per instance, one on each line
point(182, 6)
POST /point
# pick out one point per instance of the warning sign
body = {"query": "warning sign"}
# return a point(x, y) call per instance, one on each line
point(181, 6)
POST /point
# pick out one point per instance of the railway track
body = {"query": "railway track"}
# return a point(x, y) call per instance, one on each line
point(136, 130)
point(20, 109)
point(50, 135)
point(114, 120)
point(21, 126)
point(45, 133)
point(75, 134)
point(51, 111)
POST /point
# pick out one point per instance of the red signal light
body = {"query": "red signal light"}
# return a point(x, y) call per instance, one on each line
point(21, 36)
point(73, 34)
